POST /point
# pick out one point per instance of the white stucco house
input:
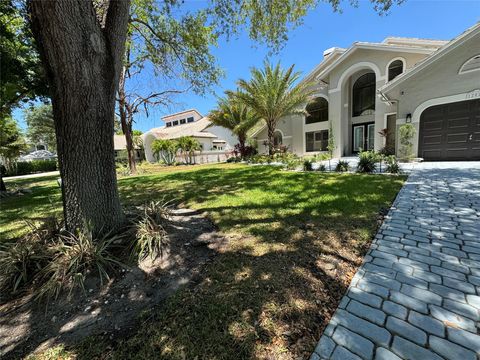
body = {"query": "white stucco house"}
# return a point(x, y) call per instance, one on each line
point(369, 87)
point(215, 141)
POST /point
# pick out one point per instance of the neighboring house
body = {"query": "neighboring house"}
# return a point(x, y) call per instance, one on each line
point(120, 147)
point(370, 87)
point(214, 140)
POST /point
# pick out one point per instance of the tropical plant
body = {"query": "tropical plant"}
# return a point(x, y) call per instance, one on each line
point(150, 235)
point(165, 149)
point(307, 165)
point(406, 133)
point(77, 256)
point(322, 168)
point(233, 114)
point(187, 146)
point(342, 166)
point(272, 94)
point(392, 165)
point(367, 162)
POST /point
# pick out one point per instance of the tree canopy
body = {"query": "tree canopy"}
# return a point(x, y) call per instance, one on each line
point(40, 126)
point(22, 75)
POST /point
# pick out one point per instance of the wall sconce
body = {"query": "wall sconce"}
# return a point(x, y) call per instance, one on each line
point(408, 119)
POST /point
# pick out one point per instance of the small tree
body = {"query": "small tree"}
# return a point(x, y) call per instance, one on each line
point(165, 149)
point(272, 94)
point(40, 125)
point(232, 114)
point(187, 146)
point(331, 145)
point(406, 134)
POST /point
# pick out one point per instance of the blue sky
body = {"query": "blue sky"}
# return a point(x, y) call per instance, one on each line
point(322, 29)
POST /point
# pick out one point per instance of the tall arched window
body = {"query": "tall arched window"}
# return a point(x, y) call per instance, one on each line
point(395, 69)
point(363, 97)
point(277, 138)
point(317, 111)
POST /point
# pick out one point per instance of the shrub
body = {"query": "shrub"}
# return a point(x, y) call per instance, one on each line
point(307, 165)
point(234, 159)
point(261, 159)
point(150, 235)
point(367, 162)
point(20, 262)
point(406, 134)
point(322, 168)
point(31, 167)
point(392, 165)
point(76, 257)
point(342, 166)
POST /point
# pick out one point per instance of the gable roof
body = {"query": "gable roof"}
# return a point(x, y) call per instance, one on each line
point(400, 44)
point(446, 49)
point(195, 129)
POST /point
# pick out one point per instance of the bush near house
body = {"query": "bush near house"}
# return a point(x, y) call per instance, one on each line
point(32, 167)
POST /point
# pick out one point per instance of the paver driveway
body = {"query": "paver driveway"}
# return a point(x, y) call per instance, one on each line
point(417, 294)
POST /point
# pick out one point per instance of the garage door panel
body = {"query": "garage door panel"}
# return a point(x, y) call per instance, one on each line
point(457, 138)
point(451, 131)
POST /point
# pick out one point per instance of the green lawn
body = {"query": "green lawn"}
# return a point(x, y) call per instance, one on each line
point(295, 241)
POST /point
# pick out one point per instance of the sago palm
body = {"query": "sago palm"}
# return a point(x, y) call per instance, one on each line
point(272, 94)
point(231, 113)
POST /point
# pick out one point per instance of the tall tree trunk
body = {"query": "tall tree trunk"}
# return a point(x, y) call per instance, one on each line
point(82, 55)
point(270, 135)
point(126, 120)
point(241, 144)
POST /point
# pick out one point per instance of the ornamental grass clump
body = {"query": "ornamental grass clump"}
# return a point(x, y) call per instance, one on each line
point(367, 162)
point(77, 256)
point(151, 238)
point(342, 166)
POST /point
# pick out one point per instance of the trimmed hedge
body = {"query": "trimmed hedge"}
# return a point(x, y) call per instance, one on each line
point(32, 167)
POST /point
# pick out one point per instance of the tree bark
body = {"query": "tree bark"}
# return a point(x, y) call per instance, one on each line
point(270, 135)
point(241, 144)
point(82, 56)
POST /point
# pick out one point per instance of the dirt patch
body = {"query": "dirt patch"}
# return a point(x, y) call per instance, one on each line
point(112, 310)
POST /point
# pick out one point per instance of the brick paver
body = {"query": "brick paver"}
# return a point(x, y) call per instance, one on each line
point(417, 294)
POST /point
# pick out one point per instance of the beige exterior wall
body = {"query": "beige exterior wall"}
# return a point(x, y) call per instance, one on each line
point(439, 83)
point(338, 94)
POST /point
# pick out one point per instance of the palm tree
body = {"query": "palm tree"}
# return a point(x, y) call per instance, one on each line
point(233, 114)
point(271, 94)
point(187, 146)
point(165, 148)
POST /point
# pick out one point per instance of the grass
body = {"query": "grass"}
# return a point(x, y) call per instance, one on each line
point(295, 241)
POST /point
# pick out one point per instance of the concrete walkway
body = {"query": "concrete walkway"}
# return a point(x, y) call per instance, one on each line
point(417, 294)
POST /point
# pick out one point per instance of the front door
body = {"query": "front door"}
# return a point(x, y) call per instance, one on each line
point(363, 137)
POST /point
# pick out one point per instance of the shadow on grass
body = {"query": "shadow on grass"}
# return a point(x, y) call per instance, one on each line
point(295, 240)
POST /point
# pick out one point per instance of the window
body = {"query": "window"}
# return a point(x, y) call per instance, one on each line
point(277, 138)
point(317, 111)
point(472, 64)
point(316, 140)
point(175, 122)
point(363, 97)
point(169, 124)
point(183, 121)
point(190, 119)
point(395, 69)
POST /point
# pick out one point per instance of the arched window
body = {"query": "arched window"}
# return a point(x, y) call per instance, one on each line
point(363, 97)
point(471, 64)
point(317, 111)
point(277, 138)
point(395, 69)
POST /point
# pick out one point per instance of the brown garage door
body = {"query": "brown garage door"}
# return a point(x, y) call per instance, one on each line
point(450, 131)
